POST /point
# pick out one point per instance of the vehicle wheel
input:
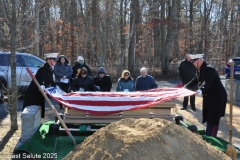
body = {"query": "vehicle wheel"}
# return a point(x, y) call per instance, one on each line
point(3, 90)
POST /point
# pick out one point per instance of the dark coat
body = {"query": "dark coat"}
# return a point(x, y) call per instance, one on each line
point(79, 66)
point(33, 95)
point(86, 83)
point(214, 94)
point(145, 83)
point(125, 84)
point(105, 83)
point(187, 72)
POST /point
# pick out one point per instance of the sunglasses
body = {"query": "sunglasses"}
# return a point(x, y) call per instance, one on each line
point(126, 74)
point(101, 73)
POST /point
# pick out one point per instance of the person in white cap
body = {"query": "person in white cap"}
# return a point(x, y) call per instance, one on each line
point(79, 65)
point(44, 76)
point(186, 73)
point(213, 93)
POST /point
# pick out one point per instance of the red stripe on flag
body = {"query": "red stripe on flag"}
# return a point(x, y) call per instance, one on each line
point(114, 102)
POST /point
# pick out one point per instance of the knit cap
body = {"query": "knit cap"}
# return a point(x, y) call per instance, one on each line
point(101, 69)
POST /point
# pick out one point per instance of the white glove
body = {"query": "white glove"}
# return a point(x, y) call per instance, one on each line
point(199, 92)
point(97, 87)
point(43, 87)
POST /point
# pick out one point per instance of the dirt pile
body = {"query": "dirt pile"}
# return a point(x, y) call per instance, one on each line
point(145, 139)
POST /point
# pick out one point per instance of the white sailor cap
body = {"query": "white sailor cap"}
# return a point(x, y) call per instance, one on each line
point(51, 55)
point(195, 57)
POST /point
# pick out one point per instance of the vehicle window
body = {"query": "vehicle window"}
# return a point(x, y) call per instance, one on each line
point(31, 61)
point(236, 62)
point(4, 59)
point(20, 62)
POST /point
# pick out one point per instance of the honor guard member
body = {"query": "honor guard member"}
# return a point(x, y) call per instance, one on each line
point(213, 93)
point(44, 76)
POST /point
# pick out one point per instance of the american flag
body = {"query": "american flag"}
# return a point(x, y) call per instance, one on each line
point(102, 103)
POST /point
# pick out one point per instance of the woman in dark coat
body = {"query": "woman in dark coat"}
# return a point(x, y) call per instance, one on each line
point(44, 76)
point(102, 81)
point(83, 82)
point(63, 71)
point(213, 93)
point(125, 82)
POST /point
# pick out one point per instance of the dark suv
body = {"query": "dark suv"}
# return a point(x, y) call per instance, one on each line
point(236, 73)
point(23, 79)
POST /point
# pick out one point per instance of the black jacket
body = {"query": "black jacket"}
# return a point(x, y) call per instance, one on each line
point(86, 83)
point(187, 72)
point(79, 66)
point(214, 94)
point(105, 83)
point(33, 96)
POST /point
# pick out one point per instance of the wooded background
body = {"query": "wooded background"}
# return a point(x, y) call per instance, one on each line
point(124, 34)
point(120, 34)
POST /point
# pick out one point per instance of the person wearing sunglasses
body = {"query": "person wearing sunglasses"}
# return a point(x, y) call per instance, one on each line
point(125, 82)
point(102, 81)
point(145, 81)
point(83, 82)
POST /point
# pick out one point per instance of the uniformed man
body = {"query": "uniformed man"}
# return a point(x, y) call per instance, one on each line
point(213, 93)
point(44, 76)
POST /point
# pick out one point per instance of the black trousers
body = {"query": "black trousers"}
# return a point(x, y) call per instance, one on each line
point(64, 86)
point(192, 101)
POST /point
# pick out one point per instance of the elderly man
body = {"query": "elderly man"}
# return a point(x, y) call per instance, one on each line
point(213, 93)
point(145, 81)
point(186, 73)
point(79, 65)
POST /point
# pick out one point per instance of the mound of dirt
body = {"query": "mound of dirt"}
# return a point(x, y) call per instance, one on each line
point(145, 139)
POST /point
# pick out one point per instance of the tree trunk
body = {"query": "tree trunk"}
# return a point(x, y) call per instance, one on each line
point(13, 91)
point(138, 25)
point(131, 53)
point(73, 10)
point(156, 35)
point(176, 32)
point(172, 17)
point(191, 46)
point(36, 51)
point(43, 18)
point(162, 33)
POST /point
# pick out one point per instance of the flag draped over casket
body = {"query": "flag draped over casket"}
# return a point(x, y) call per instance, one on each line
point(102, 103)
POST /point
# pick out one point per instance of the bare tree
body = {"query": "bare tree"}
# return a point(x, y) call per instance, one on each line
point(9, 9)
point(131, 53)
point(172, 17)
